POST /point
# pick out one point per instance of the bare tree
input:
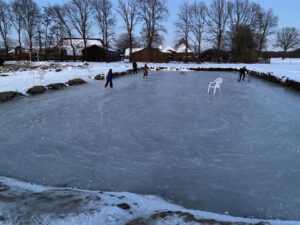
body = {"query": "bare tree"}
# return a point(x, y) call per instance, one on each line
point(56, 32)
point(198, 14)
point(16, 18)
point(62, 26)
point(39, 35)
point(48, 19)
point(129, 13)
point(5, 23)
point(79, 14)
point(183, 25)
point(106, 20)
point(287, 38)
point(241, 13)
point(266, 24)
point(30, 13)
point(122, 42)
point(152, 13)
point(217, 22)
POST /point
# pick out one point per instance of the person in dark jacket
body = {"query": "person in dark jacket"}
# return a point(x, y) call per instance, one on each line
point(109, 79)
point(134, 66)
point(242, 72)
point(146, 70)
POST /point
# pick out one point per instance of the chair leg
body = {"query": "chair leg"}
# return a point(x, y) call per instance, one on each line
point(208, 89)
point(215, 89)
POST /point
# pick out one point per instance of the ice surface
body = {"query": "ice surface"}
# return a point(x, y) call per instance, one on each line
point(21, 81)
point(237, 152)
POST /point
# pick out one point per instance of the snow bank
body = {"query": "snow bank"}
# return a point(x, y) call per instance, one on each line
point(32, 204)
point(20, 81)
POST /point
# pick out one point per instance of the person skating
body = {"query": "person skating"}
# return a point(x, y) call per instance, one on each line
point(242, 72)
point(134, 66)
point(146, 70)
point(109, 79)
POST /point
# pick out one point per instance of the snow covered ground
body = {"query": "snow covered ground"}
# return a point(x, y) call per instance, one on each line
point(21, 81)
point(34, 204)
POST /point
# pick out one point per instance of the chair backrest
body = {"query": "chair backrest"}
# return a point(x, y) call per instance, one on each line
point(219, 80)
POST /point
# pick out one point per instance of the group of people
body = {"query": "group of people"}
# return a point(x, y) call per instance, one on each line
point(109, 77)
point(135, 69)
point(110, 74)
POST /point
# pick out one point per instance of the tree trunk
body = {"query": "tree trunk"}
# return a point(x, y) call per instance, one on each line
point(284, 53)
point(219, 48)
point(19, 36)
point(85, 44)
point(30, 47)
point(6, 47)
point(199, 52)
point(106, 47)
point(46, 40)
point(186, 51)
point(74, 54)
point(74, 50)
point(130, 44)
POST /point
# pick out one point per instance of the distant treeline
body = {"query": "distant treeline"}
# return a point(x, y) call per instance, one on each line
point(211, 55)
point(281, 54)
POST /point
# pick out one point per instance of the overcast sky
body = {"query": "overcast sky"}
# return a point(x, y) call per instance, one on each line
point(286, 10)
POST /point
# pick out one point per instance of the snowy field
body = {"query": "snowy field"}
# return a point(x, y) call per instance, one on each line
point(21, 81)
point(162, 136)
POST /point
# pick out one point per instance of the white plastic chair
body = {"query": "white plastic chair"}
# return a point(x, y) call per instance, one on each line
point(215, 85)
point(38, 75)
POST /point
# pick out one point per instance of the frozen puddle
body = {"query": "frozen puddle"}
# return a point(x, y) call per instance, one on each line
point(237, 152)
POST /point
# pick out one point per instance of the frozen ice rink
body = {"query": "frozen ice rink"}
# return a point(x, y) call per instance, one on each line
point(238, 152)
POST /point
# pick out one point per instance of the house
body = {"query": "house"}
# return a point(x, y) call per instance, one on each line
point(127, 53)
point(149, 55)
point(170, 51)
point(95, 53)
point(183, 53)
point(4, 56)
point(180, 53)
point(182, 49)
point(21, 53)
point(71, 48)
point(50, 53)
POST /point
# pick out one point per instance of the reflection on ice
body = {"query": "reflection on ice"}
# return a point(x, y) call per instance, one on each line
point(236, 152)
